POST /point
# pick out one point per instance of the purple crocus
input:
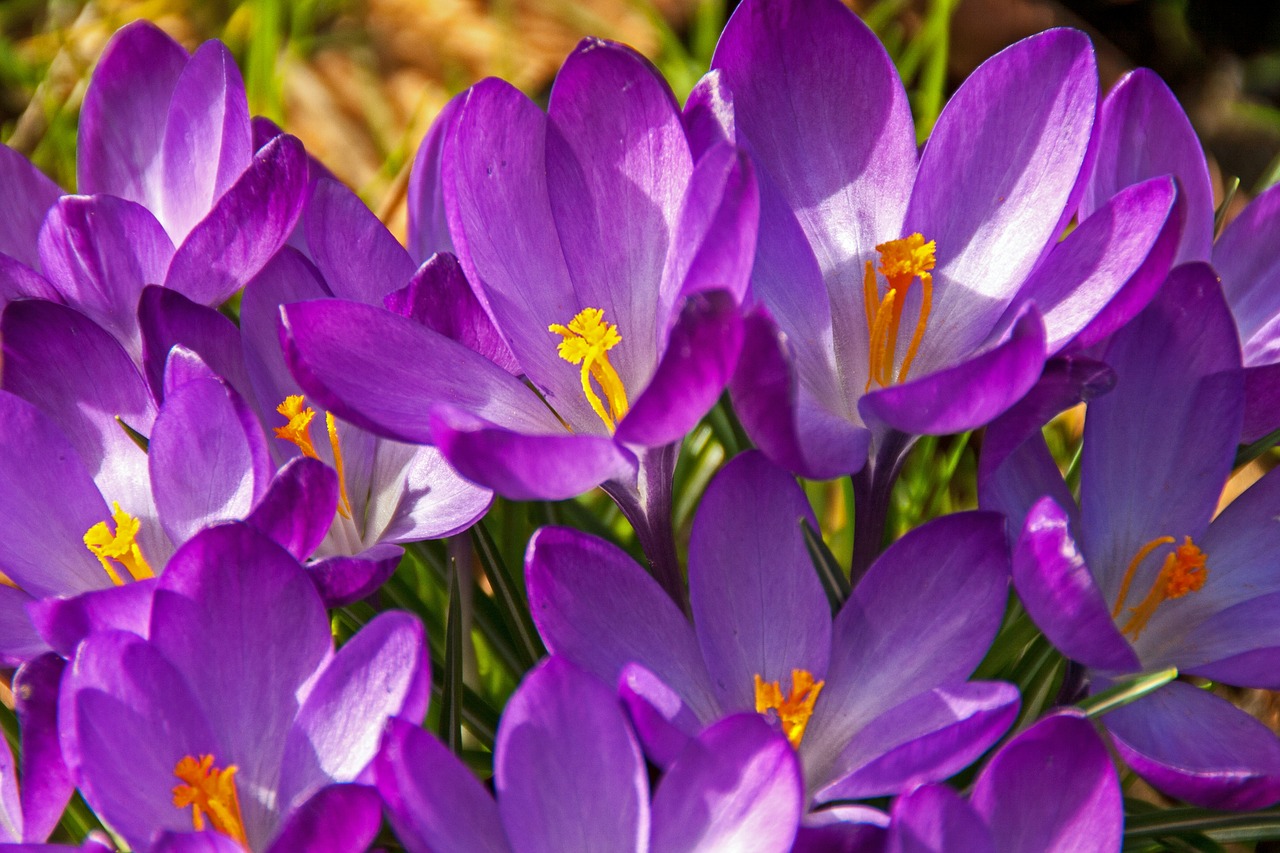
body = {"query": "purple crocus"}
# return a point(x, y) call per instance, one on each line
point(218, 719)
point(605, 284)
point(570, 777)
point(900, 295)
point(1138, 579)
point(873, 702)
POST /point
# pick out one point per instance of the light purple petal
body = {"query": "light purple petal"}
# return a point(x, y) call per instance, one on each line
point(1246, 258)
point(935, 819)
point(19, 640)
point(758, 605)
point(663, 723)
point(19, 281)
point(428, 227)
point(46, 782)
point(337, 819)
point(343, 580)
point(595, 606)
point(64, 622)
point(737, 786)
point(432, 800)
point(1143, 133)
point(29, 195)
point(1197, 747)
point(355, 252)
point(598, 798)
point(708, 114)
point(995, 179)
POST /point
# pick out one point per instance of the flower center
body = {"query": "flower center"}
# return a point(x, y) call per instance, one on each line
point(211, 793)
point(120, 546)
point(298, 432)
point(1183, 572)
point(794, 710)
point(587, 341)
point(901, 261)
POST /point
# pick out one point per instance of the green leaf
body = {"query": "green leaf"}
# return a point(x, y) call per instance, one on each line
point(1126, 693)
point(834, 582)
point(1249, 452)
point(511, 606)
point(451, 686)
point(1220, 215)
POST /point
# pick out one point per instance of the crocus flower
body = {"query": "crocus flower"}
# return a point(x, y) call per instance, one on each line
point(219, 719)
point(570, 777)
point(873, 702)
point(1052, 789)
point(1246, 256)
point(1139, 579)
point(597, 283)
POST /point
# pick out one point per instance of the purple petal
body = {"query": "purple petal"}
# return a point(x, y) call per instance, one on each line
point(617, 167)
point(345, 580)
point(46, 782)
point(428, 227)
point(355, 252)
point(1197, 747)
point(1245, 257)
point(380, 673)
point(994, 182)
point(1262, 401)
point(19, 281)
point(209, 841)
point(418, 495)
point(934, 819)
point(1061, 596)
point(708, 114)
point(781, 417)
point(126, 107)
point(699, 360)
point(1143, 133)
point(969, 394)
point(298, 506)
point(207, 141)
point(168, 319)
point(662, 721)
point(757, 602)
point(383, 372)
point(737, 786)
point(337, 819)
point(927, 738)
point(249, 223)
point(595, 606)
point(432, 800)
point(29, 195)
point(64, 622)
point(19, 640)
point(528, 467)
point(1085, 812)
point(598, 799)
point(842, 829)
point(440, 298)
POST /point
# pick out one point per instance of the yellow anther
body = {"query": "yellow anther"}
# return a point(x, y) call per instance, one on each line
point(121, 546)
point(901, 262)
point(794, 710)
point(586, 341)
point(298, 432)
point(1183, 571)
point(211, 794)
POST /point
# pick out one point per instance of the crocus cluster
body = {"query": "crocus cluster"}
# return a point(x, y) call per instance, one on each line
point(251, 600)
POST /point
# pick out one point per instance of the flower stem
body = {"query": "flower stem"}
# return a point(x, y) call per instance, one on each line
point(872, 494)
point(647, 505)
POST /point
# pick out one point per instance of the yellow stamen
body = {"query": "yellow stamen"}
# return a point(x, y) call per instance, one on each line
point(795, 709)
point(121, 546)
point(587, 341)
point(211, 793)
point(901, 262)
point(1183, 571)
point(298, 432)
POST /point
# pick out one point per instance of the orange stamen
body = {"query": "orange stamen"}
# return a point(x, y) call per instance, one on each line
point(901, 262)
point(211, 793)
point(1183, 572)
point(795, 709)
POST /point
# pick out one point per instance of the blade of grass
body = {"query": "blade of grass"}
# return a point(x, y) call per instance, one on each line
point(510, 602)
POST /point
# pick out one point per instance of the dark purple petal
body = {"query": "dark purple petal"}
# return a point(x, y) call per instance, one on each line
point(1245, 257)
point(29, 195)
point(842, 829)
point(337, 819)
point(432, 800)
point(46, 782)
point(19, 640)
point(1085, 812)
point(995, 180)
point(699, 360)
point(737, 786)
point(927, 738)
point(1261, 401)
point(355, 252)
point(662, 721)
point(249, 223)
point(1197, 747)
point(935, 819)
point(595, 606)
point(168, 319)
point(207, 141)
point(209, 841)
point(19, 281)
point(440, 298)
point(126, 108)
point(428, 227)
point(64, 622)
point(1061, 596)
point(969, 394)
point(298, 506)
point(708, 114)
point(1143, 133)
point(345, 580)
point(758, 605)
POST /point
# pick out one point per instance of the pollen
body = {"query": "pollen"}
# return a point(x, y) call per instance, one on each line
point(793, 710)
point(587, 341)
point(901, 262)
point(120, 546)
point(1182, 572)
point(211, 794)
point(298, 432)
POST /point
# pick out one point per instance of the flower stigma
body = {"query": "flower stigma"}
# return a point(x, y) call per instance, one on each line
point(794, 710)
point(901, 261)
point(1183, 572)
point(121, 546)
point(298, 432)
point(587, 341)
point(211, 793)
